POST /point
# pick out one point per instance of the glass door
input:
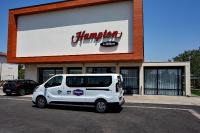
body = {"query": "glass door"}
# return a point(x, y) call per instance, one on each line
point(131, 80)
point(46, 73)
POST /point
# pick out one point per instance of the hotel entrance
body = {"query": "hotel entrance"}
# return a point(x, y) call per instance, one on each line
point(164, 81)
point(46, 73)
point(131, 80)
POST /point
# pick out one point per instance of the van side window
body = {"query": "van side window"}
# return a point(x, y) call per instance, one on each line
point(75, 81)
point(99, 81)
point(88, 81)
point(55, 81)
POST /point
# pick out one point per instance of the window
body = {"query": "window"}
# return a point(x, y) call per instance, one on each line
point(74, 70)
point(163, 81)
point(75, 81)
point(46, 73)
point(88, 81)
point(32, 82)
point(101, 70)
point(130, 80)
point(55, 81)
point(99, 81)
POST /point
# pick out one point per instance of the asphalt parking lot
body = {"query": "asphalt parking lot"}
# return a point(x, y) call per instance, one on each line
point(18, 115)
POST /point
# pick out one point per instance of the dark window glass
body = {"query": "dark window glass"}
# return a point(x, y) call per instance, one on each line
point(163, 81)
point(32, 82)
point(75, 81)
point(88, 81)
point(21, 82)
point(101, 70)
point(55, 81)
point(130, 80)
point(46, 73)
point(74, 70)
point(99, 81)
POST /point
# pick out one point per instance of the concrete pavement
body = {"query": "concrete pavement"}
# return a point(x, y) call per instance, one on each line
point(20, 116)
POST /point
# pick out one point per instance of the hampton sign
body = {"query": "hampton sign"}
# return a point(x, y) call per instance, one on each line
point(98, 36)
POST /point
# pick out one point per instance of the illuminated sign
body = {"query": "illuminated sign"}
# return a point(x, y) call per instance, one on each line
point(97, 36)
point(109, 44)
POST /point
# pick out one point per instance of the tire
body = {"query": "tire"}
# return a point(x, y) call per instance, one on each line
point(101, 106)
point(41, 102)
point(22, 92)
point(8, 94)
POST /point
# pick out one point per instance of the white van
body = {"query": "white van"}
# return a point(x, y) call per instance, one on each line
point(100, 90)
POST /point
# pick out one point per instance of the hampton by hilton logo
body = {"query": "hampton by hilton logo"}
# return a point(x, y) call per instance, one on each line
point(97, 36)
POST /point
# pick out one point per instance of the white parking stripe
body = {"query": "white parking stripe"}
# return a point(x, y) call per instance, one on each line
point(15, 99)
point(150, 107)
point(193, 112)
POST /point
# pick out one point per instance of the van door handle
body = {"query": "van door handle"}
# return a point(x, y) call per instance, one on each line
point(59, 91)
point(69, 92)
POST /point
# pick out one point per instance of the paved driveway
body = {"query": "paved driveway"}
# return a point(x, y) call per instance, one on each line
point(17, 115)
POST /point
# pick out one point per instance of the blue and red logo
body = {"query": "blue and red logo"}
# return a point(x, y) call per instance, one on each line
point(78, 92)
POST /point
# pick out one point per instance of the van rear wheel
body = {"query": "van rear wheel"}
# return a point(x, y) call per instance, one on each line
point(101, 106)
point(41, 102)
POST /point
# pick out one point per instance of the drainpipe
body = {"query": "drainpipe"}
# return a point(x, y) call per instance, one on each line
point(0, 71)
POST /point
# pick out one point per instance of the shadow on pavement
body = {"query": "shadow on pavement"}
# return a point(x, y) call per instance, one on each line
point(80, 108)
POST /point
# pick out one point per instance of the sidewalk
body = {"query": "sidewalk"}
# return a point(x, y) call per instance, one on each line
point(178, 100)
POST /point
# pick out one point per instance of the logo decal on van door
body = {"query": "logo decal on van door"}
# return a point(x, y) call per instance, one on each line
point(78, 92)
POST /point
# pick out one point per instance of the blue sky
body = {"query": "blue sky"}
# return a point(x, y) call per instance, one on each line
point(171, 26)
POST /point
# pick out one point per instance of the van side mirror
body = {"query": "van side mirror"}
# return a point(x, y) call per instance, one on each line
point(46, 85)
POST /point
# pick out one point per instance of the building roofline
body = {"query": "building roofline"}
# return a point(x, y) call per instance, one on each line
point(23, 7)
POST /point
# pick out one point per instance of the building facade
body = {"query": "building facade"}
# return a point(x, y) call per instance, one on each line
point(7, 71)
point(99, 36)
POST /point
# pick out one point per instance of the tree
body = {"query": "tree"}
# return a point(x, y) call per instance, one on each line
point(21, 71)
point(194, 57)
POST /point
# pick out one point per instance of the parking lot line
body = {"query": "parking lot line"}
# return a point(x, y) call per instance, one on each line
point(15, 99)
point(193, 112)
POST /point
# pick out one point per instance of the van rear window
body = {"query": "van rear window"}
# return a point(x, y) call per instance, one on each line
point(89, 81)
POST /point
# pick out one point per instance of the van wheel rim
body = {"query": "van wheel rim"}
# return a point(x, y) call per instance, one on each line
point(41, 102)
point(101, 106)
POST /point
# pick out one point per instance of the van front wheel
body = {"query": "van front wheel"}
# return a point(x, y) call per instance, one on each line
point(101, 106)
point(41, 102)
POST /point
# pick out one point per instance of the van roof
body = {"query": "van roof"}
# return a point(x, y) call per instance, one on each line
point(107, 74)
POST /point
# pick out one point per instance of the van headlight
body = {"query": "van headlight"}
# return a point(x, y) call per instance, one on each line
point(36, 89)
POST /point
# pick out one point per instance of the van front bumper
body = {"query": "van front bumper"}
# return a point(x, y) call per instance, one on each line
point(117, 103)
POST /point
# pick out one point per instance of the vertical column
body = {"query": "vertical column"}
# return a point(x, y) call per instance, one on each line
point(117, 68)
point(31, 72)
point(64, 69)
point(141, 80)
point(0, 71)
point(187, 80)
point(83, 69)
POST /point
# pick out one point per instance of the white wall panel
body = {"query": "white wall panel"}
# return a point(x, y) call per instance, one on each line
point(9, 71)
point(49, 33)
